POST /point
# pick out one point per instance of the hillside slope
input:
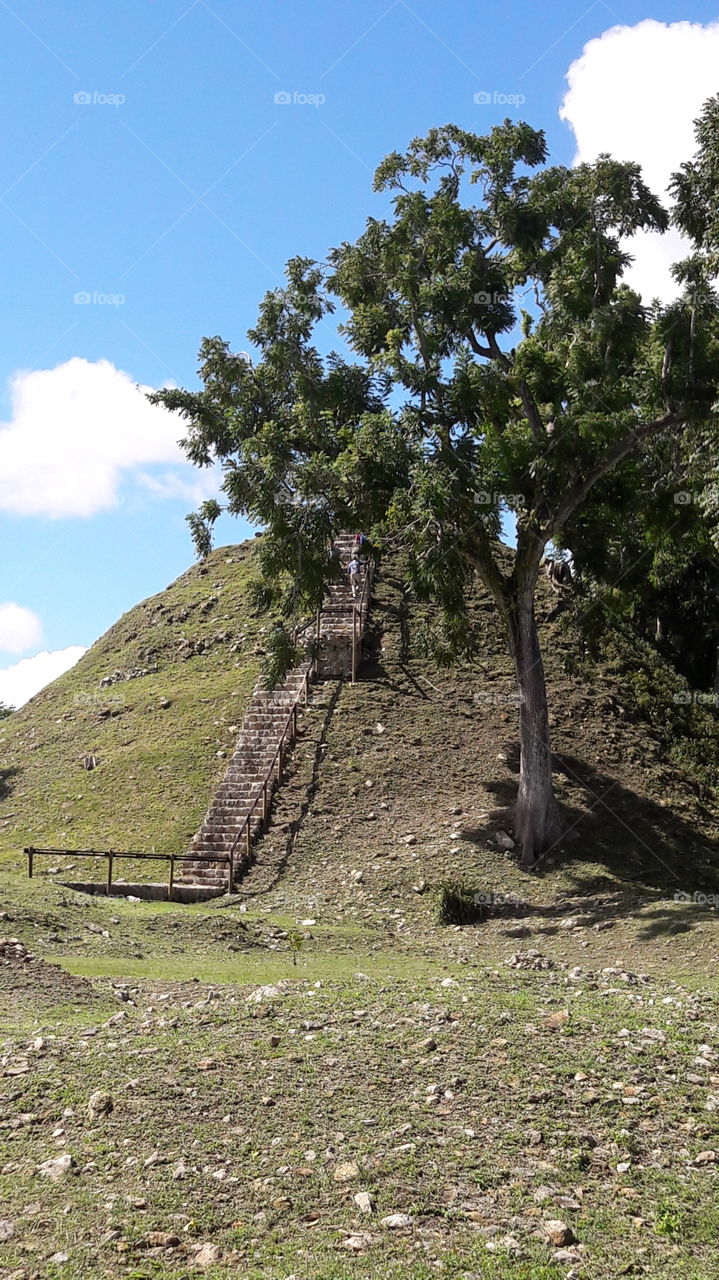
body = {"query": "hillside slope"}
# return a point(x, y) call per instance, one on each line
point(156, 737)
point(436, 749)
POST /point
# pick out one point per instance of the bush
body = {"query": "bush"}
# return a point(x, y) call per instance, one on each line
point(459, 905)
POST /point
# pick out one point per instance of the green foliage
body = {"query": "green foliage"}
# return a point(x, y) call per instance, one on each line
point(474, 428)
point(5, 711)
point(459, 905)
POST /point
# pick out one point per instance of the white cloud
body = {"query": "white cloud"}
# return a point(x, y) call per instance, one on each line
point(191, 487)
point(30, 675)
point(635, 92)
point(77, 432)
point(20, 628)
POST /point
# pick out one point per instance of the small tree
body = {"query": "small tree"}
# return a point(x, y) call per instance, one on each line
point(480, 423)
point(5, 710)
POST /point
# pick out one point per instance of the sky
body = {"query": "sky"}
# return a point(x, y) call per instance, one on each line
point(160, 162)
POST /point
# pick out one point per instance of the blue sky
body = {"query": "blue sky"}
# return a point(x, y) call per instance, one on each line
point(147, 167)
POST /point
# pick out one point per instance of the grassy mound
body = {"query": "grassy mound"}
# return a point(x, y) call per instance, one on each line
point(155, 737)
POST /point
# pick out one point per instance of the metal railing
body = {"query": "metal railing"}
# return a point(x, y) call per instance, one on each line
point(357, 610)
point(112, 854)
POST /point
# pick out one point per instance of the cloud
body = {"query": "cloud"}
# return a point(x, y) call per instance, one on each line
point(30, 675)
point(20, 628)
point(635, 92)
point(77, 433)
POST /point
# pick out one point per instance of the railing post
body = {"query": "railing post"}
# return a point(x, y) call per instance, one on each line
point(30, 854)
point(231, 870)
point(171, 879)
point(294, 721)
point(354, 642)
point(265, 806)
point(248, 837)
point(109, 873)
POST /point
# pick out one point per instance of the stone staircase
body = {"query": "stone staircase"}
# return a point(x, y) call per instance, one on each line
point(240, 807)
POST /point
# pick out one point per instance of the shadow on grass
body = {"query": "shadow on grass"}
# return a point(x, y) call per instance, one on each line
point(645, 848)
point(6, 780)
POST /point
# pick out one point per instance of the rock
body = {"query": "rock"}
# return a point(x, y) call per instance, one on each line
point(557, 1020)
point(180, 1171)
point(508, 1243)
point(535, 1138)
point(161, 1240)
point(357, 1242)
point(364, 1202)
point(7, 1229)
point(419, 887)
point(410, 840)
point(428, 1046)
point(56, 1168)
point(99, 1104)
point(261, 994)
point(357, 876)
point(397, 1221)
point(504, 840)
point(706, 1157)
point(207, 1255)
point(568, 1257)
point(273, 1041)
point(542, 1194)
point(558, 1233)
point(346, 1172)
point(530, 959)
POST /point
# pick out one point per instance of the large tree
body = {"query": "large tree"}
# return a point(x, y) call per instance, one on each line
point(504, 369)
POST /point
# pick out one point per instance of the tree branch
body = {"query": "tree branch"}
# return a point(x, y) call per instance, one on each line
point(575, 496)
point(477, 347)
point(531, 413)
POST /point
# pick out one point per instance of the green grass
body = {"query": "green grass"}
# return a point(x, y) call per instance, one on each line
point(158, 764)
point(348, 1079)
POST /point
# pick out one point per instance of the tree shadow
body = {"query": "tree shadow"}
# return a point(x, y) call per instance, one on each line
point(6, 784)
point(640, 842)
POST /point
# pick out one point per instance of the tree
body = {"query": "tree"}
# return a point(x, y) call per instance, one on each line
point(481, 420)
point(5, 710)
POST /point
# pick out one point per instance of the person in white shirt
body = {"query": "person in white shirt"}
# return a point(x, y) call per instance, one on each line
point(353, 571)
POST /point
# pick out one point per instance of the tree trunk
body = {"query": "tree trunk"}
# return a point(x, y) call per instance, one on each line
point(536, 820)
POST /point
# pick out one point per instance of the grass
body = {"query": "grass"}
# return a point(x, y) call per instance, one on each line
point(156, 737)
point(251, 1127)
